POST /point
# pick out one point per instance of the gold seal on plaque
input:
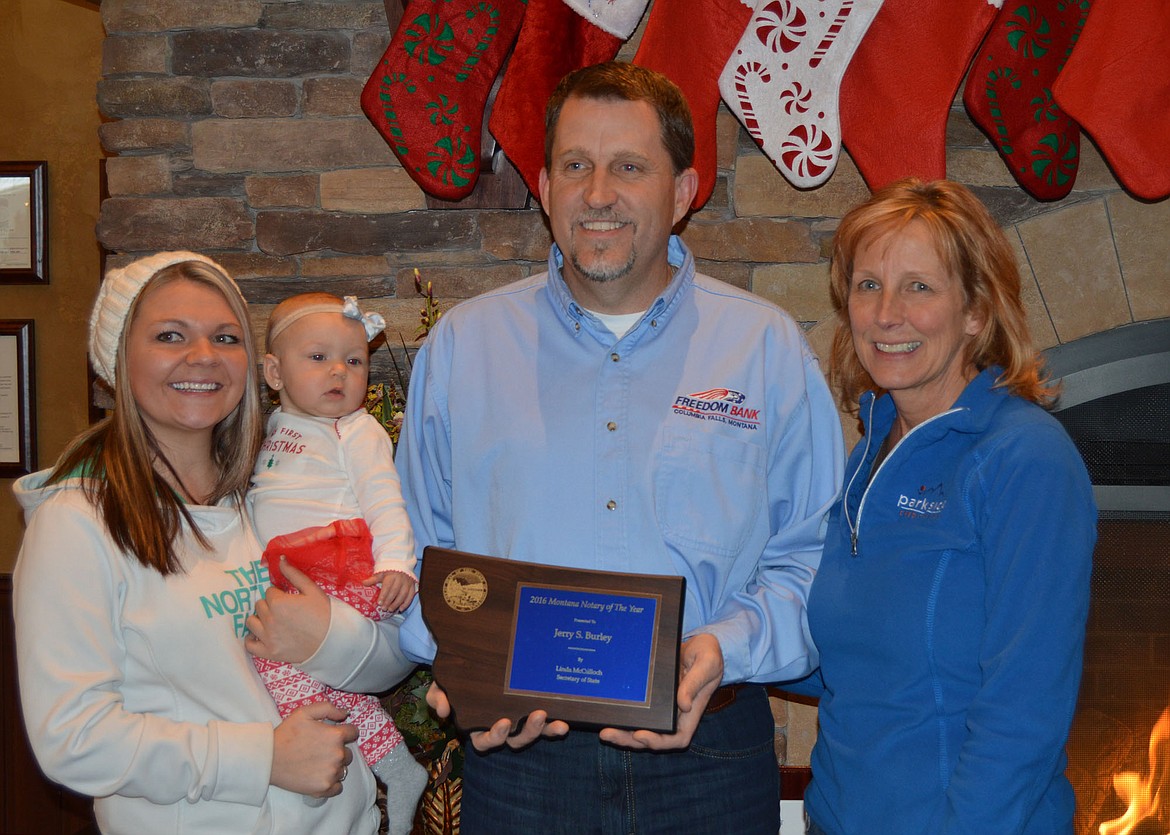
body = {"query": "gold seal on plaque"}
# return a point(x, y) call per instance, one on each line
point(465, 589)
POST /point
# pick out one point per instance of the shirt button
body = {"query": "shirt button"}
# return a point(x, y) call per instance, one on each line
point(611, 426)
point(653, 323)
point(577, 326)
point(611, 505)
point(614, 356)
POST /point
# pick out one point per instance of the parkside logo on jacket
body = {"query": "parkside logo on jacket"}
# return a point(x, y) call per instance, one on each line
point(718, 404)
point(929, 501)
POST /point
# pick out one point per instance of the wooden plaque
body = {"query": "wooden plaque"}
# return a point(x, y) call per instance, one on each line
point(592, 648)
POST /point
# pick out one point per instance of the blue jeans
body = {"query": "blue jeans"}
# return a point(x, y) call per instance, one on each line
point(727, 781)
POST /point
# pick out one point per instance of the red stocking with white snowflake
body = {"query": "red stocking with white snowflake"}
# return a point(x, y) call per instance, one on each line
point(689, 42)
point(898, 89)
point(783, 78)
point(1009, 92)
point(1116, 84)
point(427, 94)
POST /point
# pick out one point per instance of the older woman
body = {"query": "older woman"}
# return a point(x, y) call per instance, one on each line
point(950, 604)
point(137, 574)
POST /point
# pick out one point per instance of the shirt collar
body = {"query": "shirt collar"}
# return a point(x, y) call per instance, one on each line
point(579, 321)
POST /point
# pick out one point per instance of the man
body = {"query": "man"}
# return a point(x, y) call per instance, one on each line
point(622, 413)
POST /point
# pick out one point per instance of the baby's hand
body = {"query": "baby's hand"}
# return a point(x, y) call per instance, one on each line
point(397, 591)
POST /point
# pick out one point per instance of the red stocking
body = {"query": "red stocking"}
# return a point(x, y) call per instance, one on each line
point(689, 41)
point(1009, 93)
point(554, 40)
point(898, 89)
point(427, 95)
point(1116, 84)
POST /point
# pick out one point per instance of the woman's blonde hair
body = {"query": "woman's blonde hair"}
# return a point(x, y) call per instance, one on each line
point(973, 248)
point(141, 512)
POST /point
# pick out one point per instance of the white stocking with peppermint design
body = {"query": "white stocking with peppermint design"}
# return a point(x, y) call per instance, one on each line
point(784, 78)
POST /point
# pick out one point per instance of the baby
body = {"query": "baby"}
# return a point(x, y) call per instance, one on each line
point(325, 496)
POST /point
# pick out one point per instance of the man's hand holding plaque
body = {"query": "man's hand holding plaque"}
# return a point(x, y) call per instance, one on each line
point(523, 641)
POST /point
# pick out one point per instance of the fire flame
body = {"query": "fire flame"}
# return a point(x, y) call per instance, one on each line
point(1148, 797)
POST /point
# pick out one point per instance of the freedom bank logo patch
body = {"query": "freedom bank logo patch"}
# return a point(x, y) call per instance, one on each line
point(722, 405)
point(929, 501)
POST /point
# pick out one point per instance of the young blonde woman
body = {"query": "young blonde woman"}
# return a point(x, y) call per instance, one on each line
point(137, 576)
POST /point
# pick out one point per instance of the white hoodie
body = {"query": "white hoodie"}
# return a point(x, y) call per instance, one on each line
point(136, 687)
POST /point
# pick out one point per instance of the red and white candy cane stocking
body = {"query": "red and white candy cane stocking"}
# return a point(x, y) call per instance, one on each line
point(618, 17)
point(783, 78)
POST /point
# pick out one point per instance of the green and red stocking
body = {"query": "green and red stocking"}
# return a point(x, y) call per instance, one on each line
point(427, 94)
point(1009, 92)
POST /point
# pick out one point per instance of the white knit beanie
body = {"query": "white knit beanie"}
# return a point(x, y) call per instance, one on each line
point(117, 293)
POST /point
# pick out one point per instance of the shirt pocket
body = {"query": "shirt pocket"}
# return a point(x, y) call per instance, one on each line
point(710, 491)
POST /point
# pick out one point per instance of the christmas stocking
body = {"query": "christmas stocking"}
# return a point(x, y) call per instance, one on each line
point(618, 17)
point(689, 41)
point(1009, 92)
point(554, 40)
point(783, 78)
point(898, 89)
point(1116, 84)
point(427, 94)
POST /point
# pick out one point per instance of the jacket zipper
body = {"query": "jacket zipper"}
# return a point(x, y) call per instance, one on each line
point(855, 530)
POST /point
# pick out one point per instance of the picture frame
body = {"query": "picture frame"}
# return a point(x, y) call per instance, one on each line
point(23, 231)
point(18, 445)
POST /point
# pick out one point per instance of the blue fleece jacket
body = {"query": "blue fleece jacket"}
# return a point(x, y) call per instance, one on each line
point(949, 611)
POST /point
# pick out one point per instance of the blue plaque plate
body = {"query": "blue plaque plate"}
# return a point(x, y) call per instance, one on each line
point(592, 648)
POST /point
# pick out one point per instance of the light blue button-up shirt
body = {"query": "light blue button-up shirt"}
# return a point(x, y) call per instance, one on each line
point(702, 443)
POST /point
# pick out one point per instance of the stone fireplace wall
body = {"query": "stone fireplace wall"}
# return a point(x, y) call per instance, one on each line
point(234, 129)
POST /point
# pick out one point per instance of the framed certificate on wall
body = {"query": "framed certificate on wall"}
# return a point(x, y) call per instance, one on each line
point(23, 236)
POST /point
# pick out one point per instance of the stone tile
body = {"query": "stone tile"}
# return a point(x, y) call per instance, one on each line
point(1039, 322)
point(182, 97)
point(160, 15)
point(735, 274)
point(289, 233)
point(761, 190)
point(272, 145)
point(1093, 172)
point(250, 98)
point(125, 54)
point(1071, 253)
point(293, 190)
point(460, 282)
point(367, 50)
point(751, 239)
point(139, 224)
point(314, 266)
point(260, 53)
point(149, 174)
point(372, 190)
point(1141, 233)
point(271, 290)
point(144, 134)
point(978, 167)
point(511, 236)
point(332, 96)
point(324, 16)
point(801, 289)
point(726, 138)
